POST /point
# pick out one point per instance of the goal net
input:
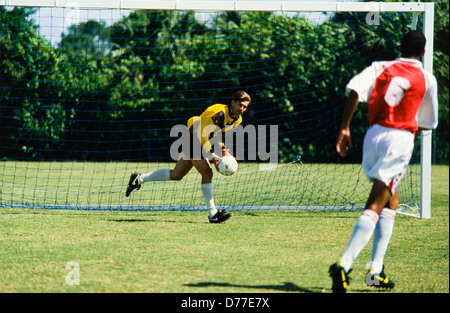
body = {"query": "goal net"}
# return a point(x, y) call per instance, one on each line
point(90, 91)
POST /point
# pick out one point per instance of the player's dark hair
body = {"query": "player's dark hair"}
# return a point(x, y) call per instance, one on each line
point(241, 96)
point(413, 44)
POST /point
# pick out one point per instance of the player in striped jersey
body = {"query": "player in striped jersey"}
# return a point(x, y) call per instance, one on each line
point(218, 117)
point(402, 101)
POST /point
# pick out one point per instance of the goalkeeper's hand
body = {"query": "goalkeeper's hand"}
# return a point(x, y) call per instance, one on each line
point(216, 159)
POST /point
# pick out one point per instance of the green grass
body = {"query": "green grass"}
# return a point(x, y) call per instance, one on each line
point(256, 251)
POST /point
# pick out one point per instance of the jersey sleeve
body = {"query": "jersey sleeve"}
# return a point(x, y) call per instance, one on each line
point(363, 83)
point(427, 116)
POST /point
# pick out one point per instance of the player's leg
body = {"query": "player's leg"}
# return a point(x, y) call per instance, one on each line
point(382, 235)
point(373, 163)
point(362, 232)
point(379, 197)
point(398, 145)
point(386, 154)
point(182, 167)
point(203, 166)
point(393, 201)
point(137, 179)
point(365, 225)
point(180, 170)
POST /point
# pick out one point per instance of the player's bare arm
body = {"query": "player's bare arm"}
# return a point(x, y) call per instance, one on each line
point(344, 137)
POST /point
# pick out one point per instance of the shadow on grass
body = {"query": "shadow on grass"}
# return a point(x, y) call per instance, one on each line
point(138, 220)
point(286, 286)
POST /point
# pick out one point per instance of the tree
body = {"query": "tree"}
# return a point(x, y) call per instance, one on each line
point(86, 38)
point(33, 118)
point(441, 68)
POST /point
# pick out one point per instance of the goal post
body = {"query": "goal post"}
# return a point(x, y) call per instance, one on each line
point(426, 136)
point(81, 112)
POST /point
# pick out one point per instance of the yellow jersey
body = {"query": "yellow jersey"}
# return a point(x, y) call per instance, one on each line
point(218, 117)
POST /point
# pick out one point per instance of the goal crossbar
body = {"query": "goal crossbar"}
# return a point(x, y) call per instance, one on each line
point(228, 5)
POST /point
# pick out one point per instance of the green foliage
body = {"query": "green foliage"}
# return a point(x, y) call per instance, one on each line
point(441, 67)
point(91, 37)
point(146, 66)
point(31, 87)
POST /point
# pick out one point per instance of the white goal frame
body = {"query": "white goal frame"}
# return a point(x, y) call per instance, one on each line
point(427, 9)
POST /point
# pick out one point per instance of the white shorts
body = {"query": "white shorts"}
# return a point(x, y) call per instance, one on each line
point(386, 154)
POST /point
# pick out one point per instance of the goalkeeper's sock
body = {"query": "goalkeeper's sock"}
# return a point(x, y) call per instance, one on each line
point(158, 175)
point(207, 191)
point(381, 237)
point(363, 230)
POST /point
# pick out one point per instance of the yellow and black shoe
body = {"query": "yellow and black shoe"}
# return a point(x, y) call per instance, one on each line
point(340, 278)
point(379, 280)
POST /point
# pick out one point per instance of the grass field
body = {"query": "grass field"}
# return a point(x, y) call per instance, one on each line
point(255, 252)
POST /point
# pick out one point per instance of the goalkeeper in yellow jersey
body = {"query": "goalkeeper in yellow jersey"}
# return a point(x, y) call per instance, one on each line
point(221, 117)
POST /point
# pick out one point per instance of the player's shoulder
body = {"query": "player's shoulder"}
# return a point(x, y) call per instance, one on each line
point(384, 63)
point(379, 67)
point(217, 107)
point(220, 105)
point(431, 79)
point(418, 66)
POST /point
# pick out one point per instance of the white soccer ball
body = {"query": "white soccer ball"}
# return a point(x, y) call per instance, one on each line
point(228, 165)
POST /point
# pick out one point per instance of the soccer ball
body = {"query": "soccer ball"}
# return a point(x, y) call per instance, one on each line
point(228, 166)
